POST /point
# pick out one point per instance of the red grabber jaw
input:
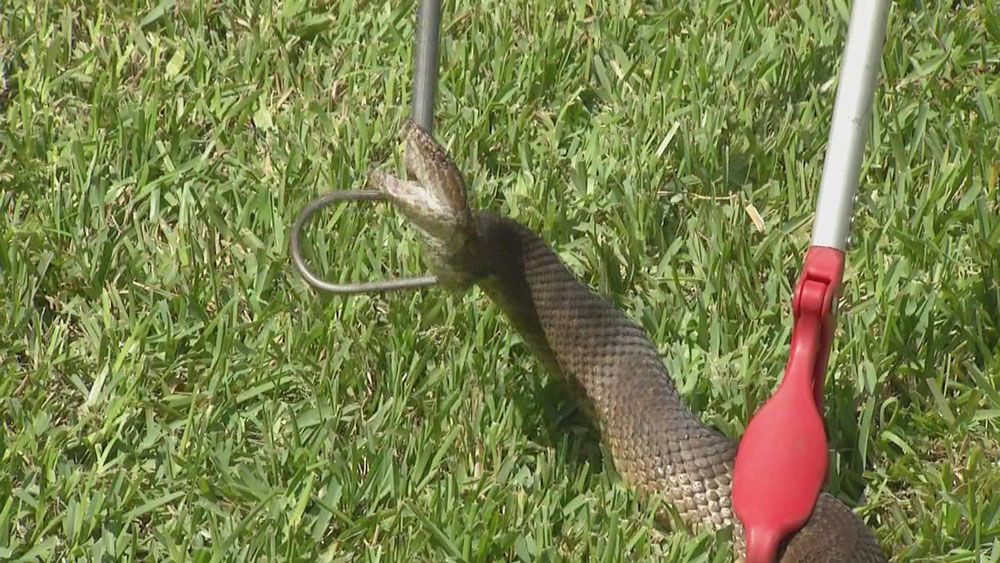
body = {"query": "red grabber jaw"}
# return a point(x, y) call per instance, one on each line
point(781, 462)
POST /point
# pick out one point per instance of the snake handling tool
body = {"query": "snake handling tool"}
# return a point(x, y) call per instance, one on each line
point(425, 71)
point(781, 461)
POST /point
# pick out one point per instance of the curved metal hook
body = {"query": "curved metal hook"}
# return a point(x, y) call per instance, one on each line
point(346, 288)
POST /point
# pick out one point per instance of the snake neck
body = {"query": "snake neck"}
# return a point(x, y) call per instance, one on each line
point(657, 443)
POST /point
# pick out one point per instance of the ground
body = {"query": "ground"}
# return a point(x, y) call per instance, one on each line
point(171, 390)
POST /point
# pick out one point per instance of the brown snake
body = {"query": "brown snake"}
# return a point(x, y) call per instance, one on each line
point(659, 446)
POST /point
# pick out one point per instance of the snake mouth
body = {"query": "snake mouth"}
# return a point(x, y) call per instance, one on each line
point(434, 195)
point(424, 207)
point(433, 199)
point(428, 162)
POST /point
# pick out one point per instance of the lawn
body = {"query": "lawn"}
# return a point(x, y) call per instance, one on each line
point(171, 390)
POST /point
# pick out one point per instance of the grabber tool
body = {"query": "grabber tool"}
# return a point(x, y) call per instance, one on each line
point(425, 72)
point(781, 462)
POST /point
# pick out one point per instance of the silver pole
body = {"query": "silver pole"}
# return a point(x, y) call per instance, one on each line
point(425, 63)
point(851, 117)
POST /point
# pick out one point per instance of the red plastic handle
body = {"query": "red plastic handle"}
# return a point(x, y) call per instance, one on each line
point(782, 458)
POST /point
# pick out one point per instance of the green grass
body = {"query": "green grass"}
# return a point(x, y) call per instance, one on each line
point(171, 390)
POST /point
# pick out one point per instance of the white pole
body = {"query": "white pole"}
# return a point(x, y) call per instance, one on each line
point(851, 117)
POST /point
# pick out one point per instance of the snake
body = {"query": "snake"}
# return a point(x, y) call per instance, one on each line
point(659, 446)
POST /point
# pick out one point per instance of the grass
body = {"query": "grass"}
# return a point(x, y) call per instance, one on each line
point(170, 390)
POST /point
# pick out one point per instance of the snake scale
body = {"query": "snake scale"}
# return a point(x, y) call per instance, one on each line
point(658, 445)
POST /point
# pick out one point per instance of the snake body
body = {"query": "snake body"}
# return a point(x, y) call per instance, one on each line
point(659, 446)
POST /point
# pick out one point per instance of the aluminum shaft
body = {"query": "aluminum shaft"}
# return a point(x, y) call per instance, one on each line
point(425, 63)
point(851, 118)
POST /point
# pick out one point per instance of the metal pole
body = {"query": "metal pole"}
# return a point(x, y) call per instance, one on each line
point(425, 63)
point(851, 117)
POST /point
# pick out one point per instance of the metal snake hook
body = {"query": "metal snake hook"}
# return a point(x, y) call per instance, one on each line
point(425, 64)
point(345, 288)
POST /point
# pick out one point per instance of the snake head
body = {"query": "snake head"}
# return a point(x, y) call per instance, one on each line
point(434, 200)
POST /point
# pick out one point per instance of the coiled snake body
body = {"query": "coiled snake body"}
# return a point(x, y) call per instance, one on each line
point(659, 446)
